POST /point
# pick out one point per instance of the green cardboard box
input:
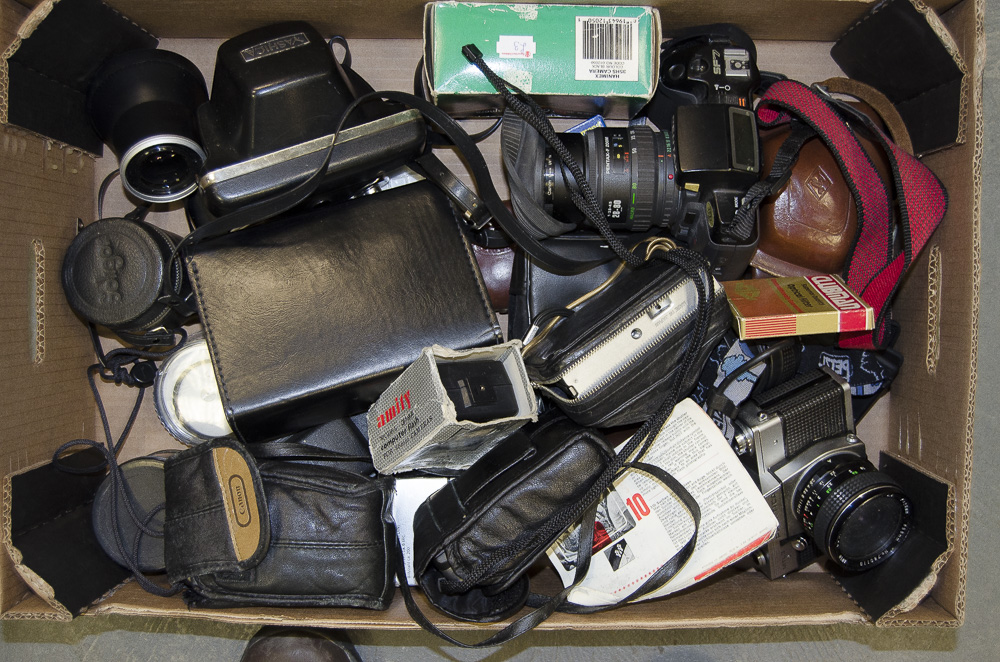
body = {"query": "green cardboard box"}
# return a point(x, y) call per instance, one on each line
point(573, 59)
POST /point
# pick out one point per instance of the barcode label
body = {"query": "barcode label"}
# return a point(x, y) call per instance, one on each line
point(606, 41)
point(607, 48)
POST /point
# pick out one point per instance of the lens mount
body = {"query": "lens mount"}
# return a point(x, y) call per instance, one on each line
point(162, 168)
point(856, 515)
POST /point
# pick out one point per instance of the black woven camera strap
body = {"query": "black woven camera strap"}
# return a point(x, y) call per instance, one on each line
point(544, 606)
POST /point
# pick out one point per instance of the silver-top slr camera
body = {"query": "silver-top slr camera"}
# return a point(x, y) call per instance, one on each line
point(798, 441)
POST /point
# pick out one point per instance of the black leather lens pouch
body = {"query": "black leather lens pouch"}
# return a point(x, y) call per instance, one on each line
point(310, 318)
point(478, 535)
point(278, 534)
point(608, 363)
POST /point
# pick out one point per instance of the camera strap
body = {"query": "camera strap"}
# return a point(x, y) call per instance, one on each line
point(583, 196)
point(874, 267)
point(629, 458)
point(114, 366)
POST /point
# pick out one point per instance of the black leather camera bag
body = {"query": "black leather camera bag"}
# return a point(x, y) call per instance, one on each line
point(310, 318)
point(239, 532)
point(645, 360)
point(476, 538)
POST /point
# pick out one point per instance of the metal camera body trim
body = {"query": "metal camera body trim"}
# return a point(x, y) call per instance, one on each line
point(381, 141)
point(154, 141)
point(760, 439)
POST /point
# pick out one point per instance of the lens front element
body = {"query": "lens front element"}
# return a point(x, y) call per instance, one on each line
point(856, 515)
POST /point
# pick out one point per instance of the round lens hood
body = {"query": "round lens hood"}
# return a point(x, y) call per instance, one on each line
point(143, 104)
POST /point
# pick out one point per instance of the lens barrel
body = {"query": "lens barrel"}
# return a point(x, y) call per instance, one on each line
point(142, 104)
point(630, 169)
point(856, 515)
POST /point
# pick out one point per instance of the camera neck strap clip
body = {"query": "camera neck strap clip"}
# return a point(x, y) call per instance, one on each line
point(874, 268)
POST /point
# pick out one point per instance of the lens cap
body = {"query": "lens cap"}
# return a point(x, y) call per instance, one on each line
point(114, 271)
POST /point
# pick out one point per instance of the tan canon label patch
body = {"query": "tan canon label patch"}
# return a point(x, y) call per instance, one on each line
point(242, 510)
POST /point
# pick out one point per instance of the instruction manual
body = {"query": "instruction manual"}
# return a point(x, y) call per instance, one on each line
point(641, 524)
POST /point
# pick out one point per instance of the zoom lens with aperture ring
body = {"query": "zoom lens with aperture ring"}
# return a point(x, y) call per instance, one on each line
point(857, 516)
point(630, 169)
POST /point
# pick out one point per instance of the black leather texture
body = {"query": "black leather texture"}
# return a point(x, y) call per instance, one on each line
point(500, 504)
point(197, 538)
point(534, 289)
point(310, 318)
point(634, 393)
point(330, 538)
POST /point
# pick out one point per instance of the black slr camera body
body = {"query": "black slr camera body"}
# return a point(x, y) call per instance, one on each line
point(277, 100)
point(798, 442)
point(690, 177)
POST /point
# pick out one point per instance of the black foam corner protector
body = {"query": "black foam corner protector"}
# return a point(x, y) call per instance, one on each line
point(51, 69)
point(885, 586)
point(52, 528)
point(895, 49)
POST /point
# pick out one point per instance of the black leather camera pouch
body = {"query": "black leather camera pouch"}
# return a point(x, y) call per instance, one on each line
point(276, 534)
point(534, 289)
point(477, 536)
point(608, 363)
point(310, 318)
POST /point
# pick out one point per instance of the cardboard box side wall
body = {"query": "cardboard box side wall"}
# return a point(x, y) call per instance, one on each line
point(927, 420)
point(44, 396)
point(815, 20)
point(941, 295)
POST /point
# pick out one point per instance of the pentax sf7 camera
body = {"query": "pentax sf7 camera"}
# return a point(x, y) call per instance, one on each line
point(797, 440)
point(690, 176)
point(278, 97)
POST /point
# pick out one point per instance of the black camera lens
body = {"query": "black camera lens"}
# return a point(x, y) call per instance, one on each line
point(630, 169)
point(143, 105)
point(856, 515)
point(162, 170)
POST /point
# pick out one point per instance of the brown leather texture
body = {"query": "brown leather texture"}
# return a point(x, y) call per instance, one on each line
point(808, 228)
point(495, 264)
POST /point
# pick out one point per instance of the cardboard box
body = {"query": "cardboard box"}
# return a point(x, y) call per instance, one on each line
point(927, 421)
point(546, 50)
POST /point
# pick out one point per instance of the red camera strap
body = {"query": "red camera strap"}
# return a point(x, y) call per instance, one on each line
point(872, 269)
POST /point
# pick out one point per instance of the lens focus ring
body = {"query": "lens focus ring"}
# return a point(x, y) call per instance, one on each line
point(862, 518)
point(644, 180)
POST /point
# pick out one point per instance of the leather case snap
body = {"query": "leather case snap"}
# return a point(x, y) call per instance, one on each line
point(608, 364)
point(310, 318)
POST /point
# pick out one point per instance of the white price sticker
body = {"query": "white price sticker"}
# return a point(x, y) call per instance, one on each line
point(517, 47)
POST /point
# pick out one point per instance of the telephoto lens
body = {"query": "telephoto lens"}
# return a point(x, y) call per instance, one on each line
point(630, 169)
point(143, 104)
